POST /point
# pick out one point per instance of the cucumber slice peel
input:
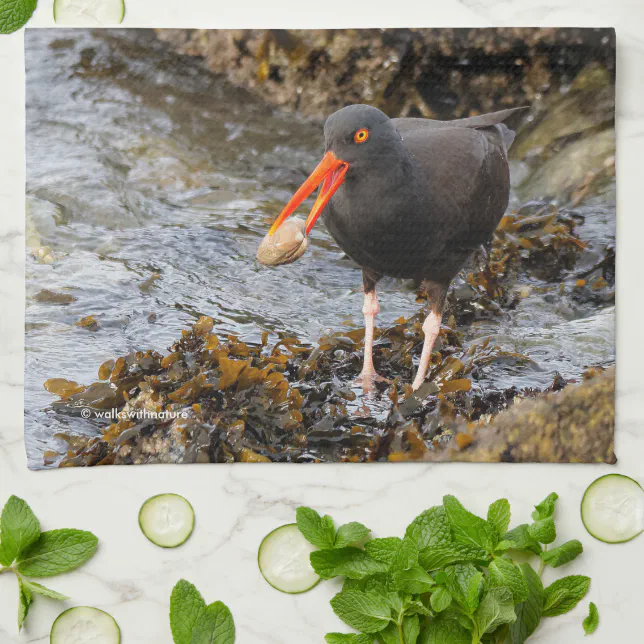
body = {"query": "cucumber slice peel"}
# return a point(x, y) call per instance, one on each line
point(89, 13)
point(167, 520)
point(85, 625)
point(612, 508)
point(284, 560)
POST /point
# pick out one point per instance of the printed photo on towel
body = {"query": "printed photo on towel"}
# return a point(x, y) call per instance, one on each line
point(305, 246)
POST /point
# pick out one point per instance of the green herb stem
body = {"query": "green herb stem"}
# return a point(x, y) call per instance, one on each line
point(400, 633)
point(542, 565)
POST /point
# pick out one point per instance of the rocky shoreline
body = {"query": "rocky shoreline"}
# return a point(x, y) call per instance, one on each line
point(434, 73)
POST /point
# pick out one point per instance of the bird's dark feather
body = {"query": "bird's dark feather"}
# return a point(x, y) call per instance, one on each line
point(442, 197)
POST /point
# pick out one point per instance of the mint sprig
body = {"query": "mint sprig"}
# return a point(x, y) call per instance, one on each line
point(15, 14)
point(28, 552)
point(194, 622)
point(320, 531)
point(450, 580)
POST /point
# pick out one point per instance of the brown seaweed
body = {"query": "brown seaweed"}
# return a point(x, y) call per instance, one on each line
point(218, 398)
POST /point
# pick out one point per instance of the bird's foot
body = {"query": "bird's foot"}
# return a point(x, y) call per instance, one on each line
point(368, 378)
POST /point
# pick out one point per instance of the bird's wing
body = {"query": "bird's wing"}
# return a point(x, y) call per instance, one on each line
point(466, 181)
point(493, 121)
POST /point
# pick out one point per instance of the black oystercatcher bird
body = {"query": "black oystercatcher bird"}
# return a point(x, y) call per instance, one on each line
point(409, 198)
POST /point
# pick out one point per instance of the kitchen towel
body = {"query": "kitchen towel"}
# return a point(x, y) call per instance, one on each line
point(158, 160)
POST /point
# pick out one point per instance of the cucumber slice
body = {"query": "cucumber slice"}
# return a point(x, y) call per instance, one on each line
point(85, 625)
point(284, 562)
point(167, 520)
point(89, 13)
point(613, 508)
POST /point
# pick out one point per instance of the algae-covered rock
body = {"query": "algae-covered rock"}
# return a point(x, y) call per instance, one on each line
point(569, 145)
point(575, 425)
point(588, 104)
point(559, 176)
point(439, 73)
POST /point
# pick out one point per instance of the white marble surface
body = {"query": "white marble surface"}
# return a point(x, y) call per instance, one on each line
point(237, 505)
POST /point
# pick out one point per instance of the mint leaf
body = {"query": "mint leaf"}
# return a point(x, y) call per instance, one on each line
point(15, 14)
point(555, 598)
point(543, 531)
point(440, 599)
point(430, 529)
point(368, 612)
point(443, 630)
point(498, 515)
point(348, 638)
point(39, 589)
point(345, 562)
point(317, 530)
point(465, 584)
point(503, 573)
point(390, 635)
point(564, 594)
point(56, 552)
point(214, 626)
point(528, 612)
point(562, 554)
point(406, 555)
point(383, 550)
point(351, 533)
point(467, 528)
point(414, 581)
point(496, 608)
point(434, 558)
point(591, 622)
point(520, 539)
point(19, 528)
point(381, 582)
point(24, 602)
point(410, 629)
point(186, 606)
point(546, 508)
point(431, 533)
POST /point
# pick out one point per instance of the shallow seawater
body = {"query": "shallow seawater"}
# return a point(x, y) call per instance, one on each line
point(151, 182)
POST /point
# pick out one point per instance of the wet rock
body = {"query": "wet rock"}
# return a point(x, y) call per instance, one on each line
point(576, 425)
point(589, 104)
point(436, 73)
point(89, 322)
point(45, 296)
point(573, 169)
point(569, 146)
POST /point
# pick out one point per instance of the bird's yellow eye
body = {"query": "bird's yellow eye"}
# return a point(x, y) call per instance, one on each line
point(361, 135)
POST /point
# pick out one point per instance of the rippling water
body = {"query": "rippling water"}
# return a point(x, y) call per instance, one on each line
point(150, 183)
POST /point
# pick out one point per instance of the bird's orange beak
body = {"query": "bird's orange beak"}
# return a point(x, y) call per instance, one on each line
point(330, 173)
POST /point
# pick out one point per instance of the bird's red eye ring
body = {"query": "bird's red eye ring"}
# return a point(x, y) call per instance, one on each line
point(361, 135)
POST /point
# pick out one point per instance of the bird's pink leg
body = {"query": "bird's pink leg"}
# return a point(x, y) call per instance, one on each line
point(370, 309)
point(431, 327)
